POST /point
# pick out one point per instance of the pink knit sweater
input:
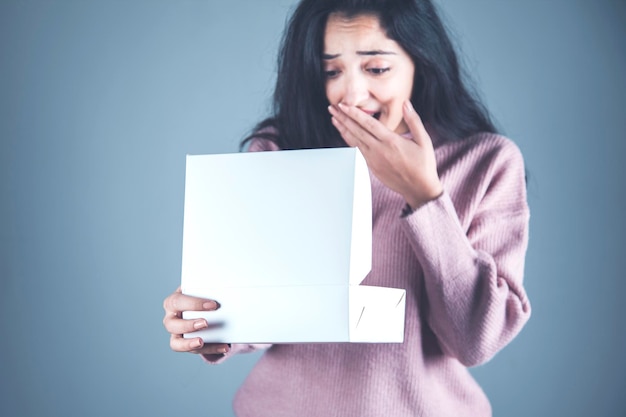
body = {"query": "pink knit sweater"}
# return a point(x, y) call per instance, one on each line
point(460, 259)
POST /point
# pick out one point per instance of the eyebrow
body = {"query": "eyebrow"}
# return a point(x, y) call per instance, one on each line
point(362, 53)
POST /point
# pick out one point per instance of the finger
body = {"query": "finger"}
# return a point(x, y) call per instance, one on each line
point(360, 122)
point(350, 129)
point(176, 325)
point(179, 344)
point(213, 349)
point(196, 345)
point(179, 302)
point(350, 139)
point(414, 122)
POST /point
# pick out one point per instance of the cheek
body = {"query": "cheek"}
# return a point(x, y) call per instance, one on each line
point(393, 117)
point(395, 97)
point(394, 109)
point(332, 94)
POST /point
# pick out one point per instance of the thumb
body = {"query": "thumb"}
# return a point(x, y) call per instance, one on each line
point(416, 127)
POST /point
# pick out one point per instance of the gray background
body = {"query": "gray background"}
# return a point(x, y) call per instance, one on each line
point(101, 100)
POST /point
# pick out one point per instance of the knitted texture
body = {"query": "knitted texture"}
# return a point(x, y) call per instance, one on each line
point(460, 259)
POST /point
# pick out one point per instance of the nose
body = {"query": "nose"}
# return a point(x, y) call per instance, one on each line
point(355, 90)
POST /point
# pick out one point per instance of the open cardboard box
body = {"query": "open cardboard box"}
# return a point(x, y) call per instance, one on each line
point(282, 241)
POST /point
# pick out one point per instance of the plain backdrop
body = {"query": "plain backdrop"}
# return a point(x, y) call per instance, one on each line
point(100, 101)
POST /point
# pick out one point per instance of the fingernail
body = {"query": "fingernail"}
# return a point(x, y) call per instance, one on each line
point(223, 349)
point(200, 324)
point(408, 106)
point(197, 343)
point(211, 305)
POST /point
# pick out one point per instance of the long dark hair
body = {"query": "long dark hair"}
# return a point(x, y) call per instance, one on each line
point(301, 119)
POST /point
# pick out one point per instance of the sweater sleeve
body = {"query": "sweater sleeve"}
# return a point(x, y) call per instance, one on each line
point(473, 275)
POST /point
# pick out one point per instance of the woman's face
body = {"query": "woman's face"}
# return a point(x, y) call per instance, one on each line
point(366, 69)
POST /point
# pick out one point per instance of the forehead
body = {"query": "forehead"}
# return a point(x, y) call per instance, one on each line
point(361, 31)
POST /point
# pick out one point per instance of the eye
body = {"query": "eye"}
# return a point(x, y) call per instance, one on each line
point(331, 73)
point(378, 71)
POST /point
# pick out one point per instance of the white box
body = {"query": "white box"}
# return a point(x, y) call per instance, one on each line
point(282, 241)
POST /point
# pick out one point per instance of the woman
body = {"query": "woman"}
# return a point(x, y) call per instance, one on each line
point(450, 218)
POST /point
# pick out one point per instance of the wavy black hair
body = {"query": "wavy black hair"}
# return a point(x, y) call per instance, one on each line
point(300, 117)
